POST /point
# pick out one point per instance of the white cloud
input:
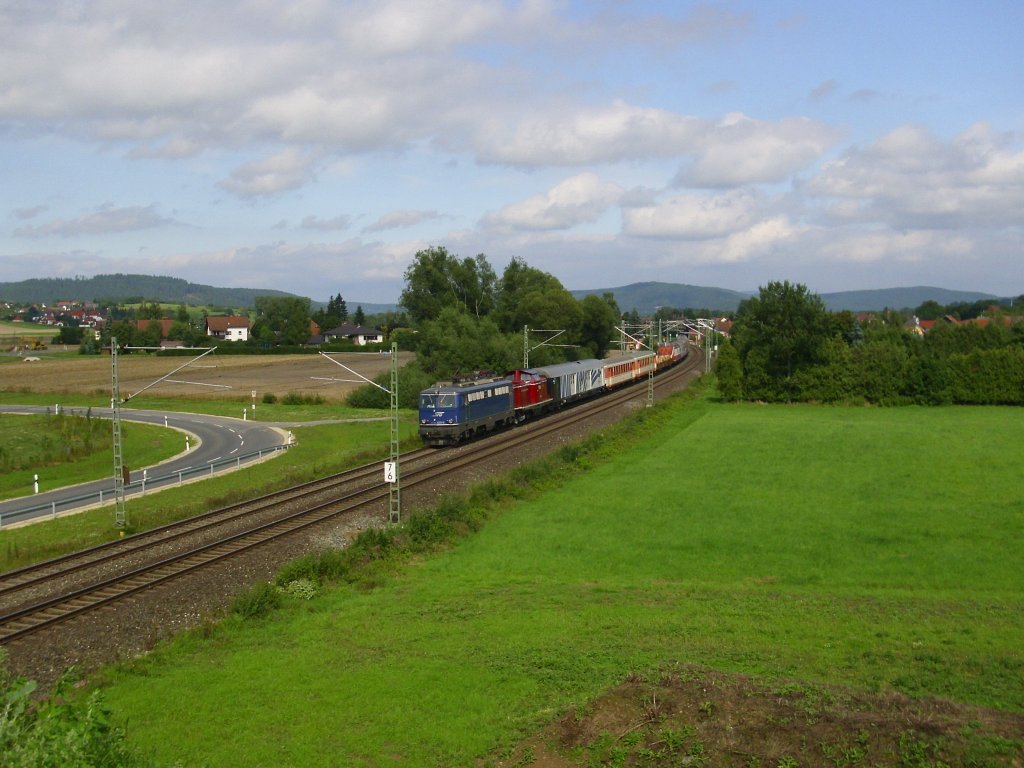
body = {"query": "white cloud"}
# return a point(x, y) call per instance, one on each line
point(401, 220)
point(579, 199)
point(918, 246)
point(175, 81)
point(694, 217)
point(758, 240)
point(579, 136)
point(288, 169)
point(739, 150)
point(107, 219)
point(341, 221)
point(175, 148)
point(909, 178)
point(398, 28)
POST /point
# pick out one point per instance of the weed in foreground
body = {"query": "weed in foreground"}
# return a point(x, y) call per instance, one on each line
point(72, 732)
point(257, 602)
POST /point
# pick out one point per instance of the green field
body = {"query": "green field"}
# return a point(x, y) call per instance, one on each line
point(872, 548)
point(9, 329)
point(66, 450)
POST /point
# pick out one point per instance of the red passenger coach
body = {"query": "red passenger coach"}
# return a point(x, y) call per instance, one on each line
point(531, 392)
point(669, 354)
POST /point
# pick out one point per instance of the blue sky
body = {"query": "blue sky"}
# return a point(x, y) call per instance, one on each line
point(315, 146)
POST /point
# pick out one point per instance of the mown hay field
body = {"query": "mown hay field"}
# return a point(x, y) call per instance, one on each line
point(225, 376)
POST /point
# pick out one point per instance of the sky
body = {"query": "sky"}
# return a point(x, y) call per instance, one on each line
point(315, 146)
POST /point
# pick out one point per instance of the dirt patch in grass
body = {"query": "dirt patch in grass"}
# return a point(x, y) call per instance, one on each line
point(697, 717)
point(228, 377)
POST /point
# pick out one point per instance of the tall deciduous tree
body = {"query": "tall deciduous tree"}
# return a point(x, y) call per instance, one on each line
point(456, 342)
point(284, 318)
point(600, 316)
point(778, 333)
point(437, 279)
point(518, 281)
point(729, 372)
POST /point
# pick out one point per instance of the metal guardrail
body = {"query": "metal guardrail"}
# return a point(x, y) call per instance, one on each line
point(134, 488)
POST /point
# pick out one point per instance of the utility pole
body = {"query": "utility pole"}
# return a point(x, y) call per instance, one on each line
point(527, 349)
point(120, 514)
point(650, 373)
point(392, 471)
point(395, 495)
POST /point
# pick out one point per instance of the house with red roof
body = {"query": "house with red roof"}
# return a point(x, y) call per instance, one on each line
point(228, 327)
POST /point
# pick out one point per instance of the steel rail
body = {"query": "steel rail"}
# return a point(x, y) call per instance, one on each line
point(36, 573)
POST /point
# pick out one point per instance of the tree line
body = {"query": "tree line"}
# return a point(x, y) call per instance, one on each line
point(464, 317)
point(786, 347)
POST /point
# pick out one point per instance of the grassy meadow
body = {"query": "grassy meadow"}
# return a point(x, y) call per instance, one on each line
point(872, 548)
point(13, 331)
point(65, 450)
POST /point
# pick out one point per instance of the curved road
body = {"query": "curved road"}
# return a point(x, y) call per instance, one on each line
point(210, 439)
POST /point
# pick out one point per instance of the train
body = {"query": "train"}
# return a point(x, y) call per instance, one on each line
point(455, 411)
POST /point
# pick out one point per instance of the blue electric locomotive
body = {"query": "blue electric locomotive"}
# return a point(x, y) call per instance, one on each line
point(455, 411)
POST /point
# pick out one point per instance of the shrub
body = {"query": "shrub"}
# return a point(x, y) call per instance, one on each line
point(269, 398)
point(411, 381)
point(294, 398)
point(257, 602)
point(59, 730)
point(303, 589)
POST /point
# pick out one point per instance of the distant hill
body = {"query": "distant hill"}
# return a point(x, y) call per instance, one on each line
point(645, 298)
point(898, 298)
point(169, 290)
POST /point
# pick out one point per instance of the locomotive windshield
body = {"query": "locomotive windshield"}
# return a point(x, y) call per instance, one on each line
point(441, 400)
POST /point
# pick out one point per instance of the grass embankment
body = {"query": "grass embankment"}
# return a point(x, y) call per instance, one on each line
point(877, 549)
point(64, 450)
point(319, 451)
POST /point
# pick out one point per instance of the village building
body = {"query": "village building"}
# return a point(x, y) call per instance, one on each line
point(228, 327)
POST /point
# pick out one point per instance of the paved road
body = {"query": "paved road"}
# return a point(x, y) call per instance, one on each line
point(210, 439)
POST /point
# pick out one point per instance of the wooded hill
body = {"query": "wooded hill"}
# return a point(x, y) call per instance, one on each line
point(169, 290)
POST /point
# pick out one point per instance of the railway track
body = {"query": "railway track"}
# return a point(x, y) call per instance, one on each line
point(43, 595)
point(17, 583)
